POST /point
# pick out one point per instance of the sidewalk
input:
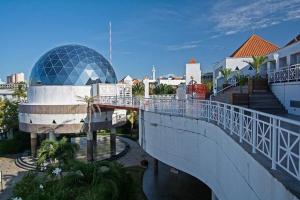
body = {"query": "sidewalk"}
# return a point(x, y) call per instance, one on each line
point(11, 174)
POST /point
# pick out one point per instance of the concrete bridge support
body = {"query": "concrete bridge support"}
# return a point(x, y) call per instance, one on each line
point(113, 141)
point(205, 151)
point(33, 144)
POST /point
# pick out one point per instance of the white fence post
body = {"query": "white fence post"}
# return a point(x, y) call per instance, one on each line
point(274, 145)
point(231, 119)
point(224, 116)
point(241, 124)
point(254, 121)
point(208, 111)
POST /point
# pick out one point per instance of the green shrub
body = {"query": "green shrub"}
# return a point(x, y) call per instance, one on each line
point(19, 143)
point(79, 181)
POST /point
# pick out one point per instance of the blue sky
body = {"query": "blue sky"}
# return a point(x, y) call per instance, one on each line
point(163, 33)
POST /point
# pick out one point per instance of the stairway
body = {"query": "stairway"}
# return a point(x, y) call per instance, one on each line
point(264, 100)
point(26, 162)
point(226, 95)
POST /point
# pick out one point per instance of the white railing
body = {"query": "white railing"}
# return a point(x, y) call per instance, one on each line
point(286, 74)
point(277, 138)
point(222, 90)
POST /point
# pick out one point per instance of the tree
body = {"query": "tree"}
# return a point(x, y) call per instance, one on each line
point(62, 151)
point(9, 113)
point(226, 73)
point(89, 101)
point(138, 89)
point(20, 92)
point(241, 79)
point(256, 63)
point(163, 89)
point(132, 117)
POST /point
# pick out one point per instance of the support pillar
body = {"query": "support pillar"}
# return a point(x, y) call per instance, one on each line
point(33, 144)
point(113, 141)
point(52, 136)
point(155, 167)
point(89, 147)
point(146, 83)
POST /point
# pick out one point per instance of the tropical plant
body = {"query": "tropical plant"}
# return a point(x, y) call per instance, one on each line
point(52, 151)
point(163, 89)
point(132, 118)
point(78, 181)
point(20, 92)
point(138, 89)
point(241, 80)
point(9, 115)
point(209, 85)
point(89, 101)
point(226, 72)
point(256, 63)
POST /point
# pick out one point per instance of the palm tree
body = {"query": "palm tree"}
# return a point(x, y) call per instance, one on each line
point(163, 89)
point(226, 73)
point(138, 89)
point(61, 151)
point(132, 117)
point(20, 92)
point(256, 63)
point(89, 101)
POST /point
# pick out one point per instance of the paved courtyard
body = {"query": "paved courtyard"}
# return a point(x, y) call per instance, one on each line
point(11, 174)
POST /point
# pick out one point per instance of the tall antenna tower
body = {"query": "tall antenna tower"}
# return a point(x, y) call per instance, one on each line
point(110, 47)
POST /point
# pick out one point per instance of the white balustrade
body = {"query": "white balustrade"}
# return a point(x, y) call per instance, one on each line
point(286, 74)
point(277, 138)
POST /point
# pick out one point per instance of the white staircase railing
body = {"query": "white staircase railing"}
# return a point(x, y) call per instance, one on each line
point(286, 74)
point(277, 138)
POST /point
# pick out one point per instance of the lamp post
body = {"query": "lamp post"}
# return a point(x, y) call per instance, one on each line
point(192, 78)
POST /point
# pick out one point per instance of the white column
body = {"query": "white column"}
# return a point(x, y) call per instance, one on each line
point(268, 67)
point(288, 60)
point(146, 83)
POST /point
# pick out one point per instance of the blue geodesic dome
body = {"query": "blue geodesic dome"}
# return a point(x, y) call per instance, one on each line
point(72, 65)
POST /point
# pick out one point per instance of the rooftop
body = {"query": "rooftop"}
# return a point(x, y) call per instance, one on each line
point(254, 46)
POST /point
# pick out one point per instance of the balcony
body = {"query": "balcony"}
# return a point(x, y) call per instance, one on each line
point(286, 74)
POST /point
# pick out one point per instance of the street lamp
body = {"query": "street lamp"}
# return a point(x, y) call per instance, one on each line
point(192, 78)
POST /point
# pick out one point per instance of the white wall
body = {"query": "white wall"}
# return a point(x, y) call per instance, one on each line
point(193, 69)
point(171, 82)
point(207, 153)
point(286, 92)
point(286, 51)
point(57, 95)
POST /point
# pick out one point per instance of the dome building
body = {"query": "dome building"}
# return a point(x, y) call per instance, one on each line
point(59, 79)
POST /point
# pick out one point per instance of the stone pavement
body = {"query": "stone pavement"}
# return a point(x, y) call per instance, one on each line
point(11, 175)
point(135, 154)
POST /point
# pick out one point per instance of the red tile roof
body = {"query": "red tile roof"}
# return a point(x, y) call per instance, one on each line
point(254, 46)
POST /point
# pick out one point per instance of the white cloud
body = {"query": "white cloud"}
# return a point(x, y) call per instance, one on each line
point(186, 45)
point(231, 17)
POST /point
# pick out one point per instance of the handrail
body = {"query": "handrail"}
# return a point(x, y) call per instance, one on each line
point(229, 86)
point(276, 138)
point(285, 74)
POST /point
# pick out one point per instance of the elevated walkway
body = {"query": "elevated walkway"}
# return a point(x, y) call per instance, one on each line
point(273, 141)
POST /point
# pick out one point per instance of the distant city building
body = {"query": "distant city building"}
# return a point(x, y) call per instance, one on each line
point(254, 46)
point(171, 79)
point(7, 90)
point(193, 72)
point(15, 78)
point(127, 80)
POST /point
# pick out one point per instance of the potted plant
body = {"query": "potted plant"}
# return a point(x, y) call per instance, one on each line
point(257, 83)
point(226, 72)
